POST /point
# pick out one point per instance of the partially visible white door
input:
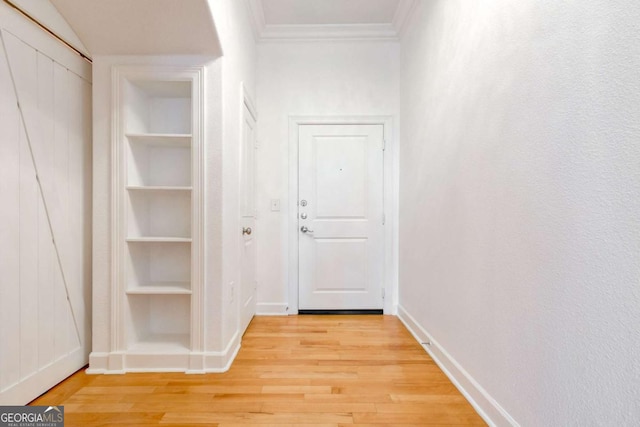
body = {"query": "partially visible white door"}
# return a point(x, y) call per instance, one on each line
point(45, 216)
point(341, 217)
point(247, 291)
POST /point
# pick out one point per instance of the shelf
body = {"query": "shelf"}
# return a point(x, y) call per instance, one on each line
point(158, 107)
point(159, 240)
point(159, 213)
point(158, 128)
point(156, 160)
point(162, 344)
point(161, 288)
point(164, 88)
point(162, 139)
point(157, 188)
point(159, 323)
point(158, 266)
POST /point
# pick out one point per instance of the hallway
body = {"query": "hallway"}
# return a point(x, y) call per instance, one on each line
point(471, 167)
point(296, 370)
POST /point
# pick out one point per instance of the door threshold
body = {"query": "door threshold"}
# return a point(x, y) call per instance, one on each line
point(374, 311)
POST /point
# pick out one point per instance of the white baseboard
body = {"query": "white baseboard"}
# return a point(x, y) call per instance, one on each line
point(272, 309)
point(190, 363)
point(484, 404)
point(221, 361)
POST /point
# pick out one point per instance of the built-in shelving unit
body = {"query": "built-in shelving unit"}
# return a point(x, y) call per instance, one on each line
point(157, 294)
point(158, 156)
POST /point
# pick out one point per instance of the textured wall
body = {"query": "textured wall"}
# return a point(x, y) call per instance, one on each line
point(308, 79)
point(520, 200)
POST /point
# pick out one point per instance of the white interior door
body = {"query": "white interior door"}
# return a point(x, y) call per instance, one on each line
point(341, 217)
point(247, 291)
point(45, 220)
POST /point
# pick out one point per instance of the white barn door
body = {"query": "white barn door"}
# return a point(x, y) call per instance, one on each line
point(45, 220)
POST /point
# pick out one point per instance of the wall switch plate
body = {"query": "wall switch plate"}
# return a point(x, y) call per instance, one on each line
point(275, 205)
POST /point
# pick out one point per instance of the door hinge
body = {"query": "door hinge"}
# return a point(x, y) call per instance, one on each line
point(383, 293)
point(384, 219)
point(384, 144)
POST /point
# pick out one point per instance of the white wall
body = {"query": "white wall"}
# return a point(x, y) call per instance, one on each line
point(520, 203)
point(308, 79)
point(238, 67)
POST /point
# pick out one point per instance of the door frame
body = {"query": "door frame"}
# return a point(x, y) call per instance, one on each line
point(390, 196)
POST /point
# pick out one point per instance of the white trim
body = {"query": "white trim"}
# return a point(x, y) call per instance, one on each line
point(98, 363)
point(390, 285)
point(263, 32)
point(403, 15)
point(189, 363)
point(272, 309)
point(350, 32)
point(198, 202)
point(480, 399)
point(116, 292)
point(221, 361)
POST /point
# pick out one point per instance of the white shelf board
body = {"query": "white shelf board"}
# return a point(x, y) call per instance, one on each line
point(157, 188)
point(159, 239)
point(164, 88)
point(161, 343)
point(162, 139)
point(166, 288)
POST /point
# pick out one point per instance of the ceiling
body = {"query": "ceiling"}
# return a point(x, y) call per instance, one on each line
point(276, 20)
point(148, 27)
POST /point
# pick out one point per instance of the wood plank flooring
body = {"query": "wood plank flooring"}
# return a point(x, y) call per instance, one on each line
point(296, 370)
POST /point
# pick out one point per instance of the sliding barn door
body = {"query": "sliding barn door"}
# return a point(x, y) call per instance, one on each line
point(45, 221)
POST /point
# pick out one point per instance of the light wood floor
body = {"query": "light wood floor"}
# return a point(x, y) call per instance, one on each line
point(297, 370)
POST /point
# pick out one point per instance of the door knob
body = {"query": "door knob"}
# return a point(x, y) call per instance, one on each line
point(246, 230)
point(304, 229)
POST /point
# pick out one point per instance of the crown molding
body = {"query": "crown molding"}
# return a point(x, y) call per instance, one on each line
point(393, 31)
point(403, 15)
point(279, 33)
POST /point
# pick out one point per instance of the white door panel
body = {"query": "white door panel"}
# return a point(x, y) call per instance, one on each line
point(341, 183)
point(45, 221)
point(248, 253)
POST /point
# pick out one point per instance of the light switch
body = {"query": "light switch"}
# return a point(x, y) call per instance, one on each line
point(275, 205)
